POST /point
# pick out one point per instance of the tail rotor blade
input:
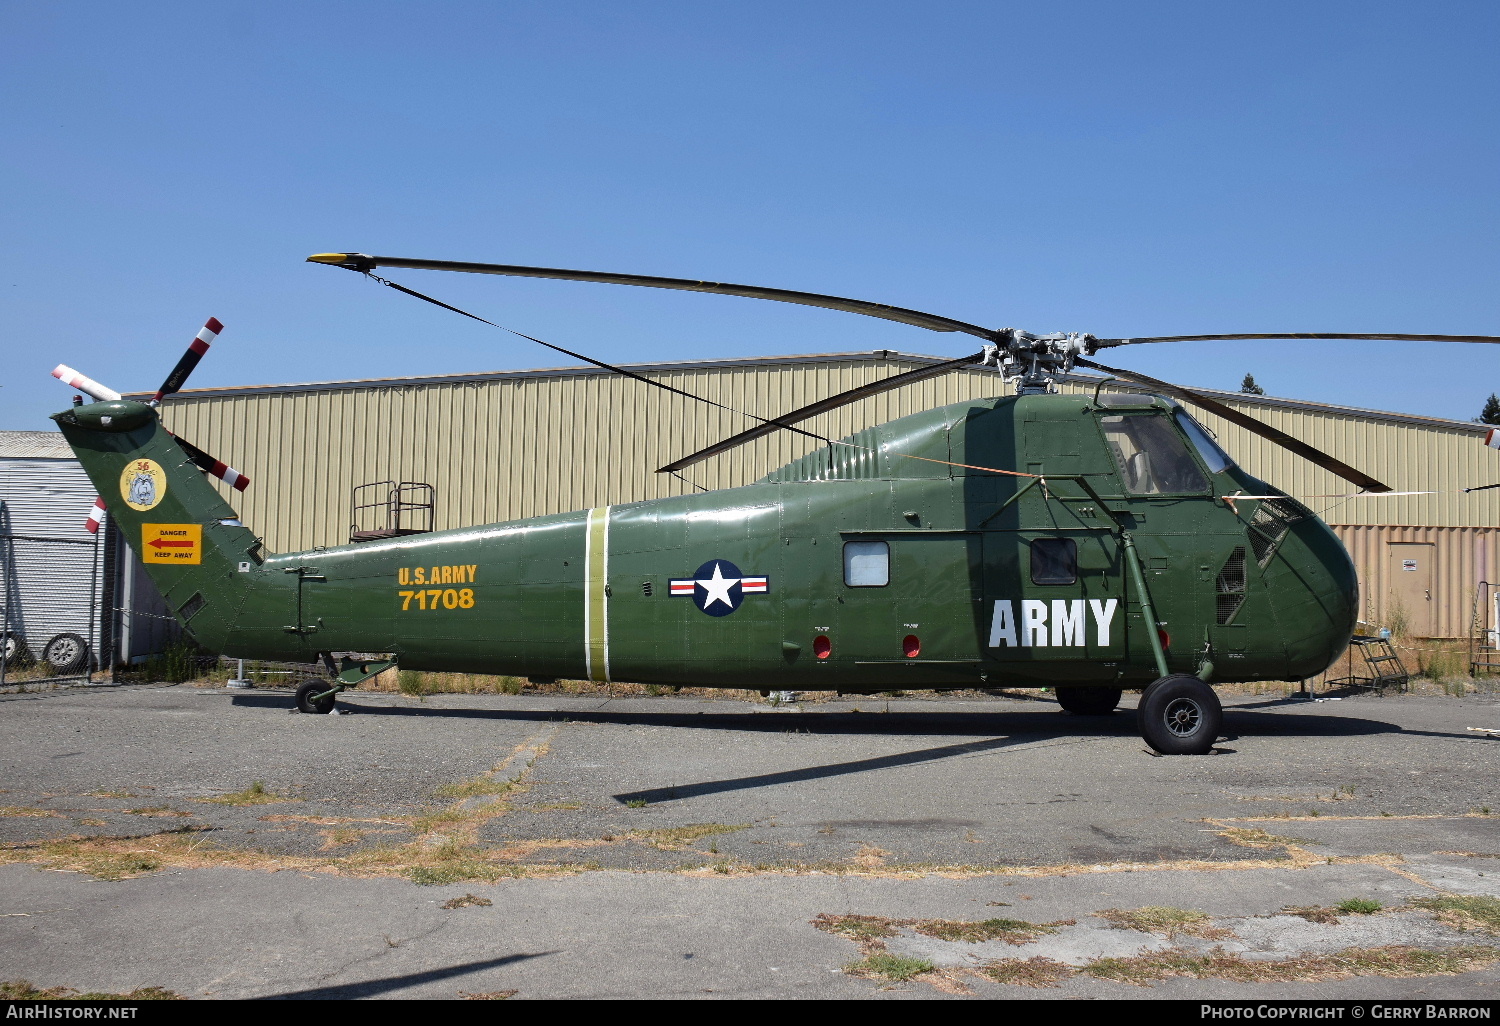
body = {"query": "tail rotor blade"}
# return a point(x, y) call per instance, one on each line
point(195, 351)
point(214, 468)
point(75, 379)
point(1259, 427)
point(833, 402)
point(96, 516)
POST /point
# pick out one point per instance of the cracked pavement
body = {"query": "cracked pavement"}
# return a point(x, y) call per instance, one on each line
point(904, 808)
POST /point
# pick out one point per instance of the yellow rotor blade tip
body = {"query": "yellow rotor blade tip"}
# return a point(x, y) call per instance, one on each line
point(328, 258)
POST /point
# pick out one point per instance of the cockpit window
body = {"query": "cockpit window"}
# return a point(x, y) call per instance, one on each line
point(1152, 457)
point(1215, 458)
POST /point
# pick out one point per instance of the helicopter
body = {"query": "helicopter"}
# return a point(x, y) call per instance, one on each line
point(1090, 543)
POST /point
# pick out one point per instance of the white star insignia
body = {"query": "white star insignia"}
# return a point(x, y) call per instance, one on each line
point(718, 588)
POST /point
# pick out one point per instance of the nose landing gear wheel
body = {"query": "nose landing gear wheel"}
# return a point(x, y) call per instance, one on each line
point(305, 693)
point(1089, 701)
point(1180, 715)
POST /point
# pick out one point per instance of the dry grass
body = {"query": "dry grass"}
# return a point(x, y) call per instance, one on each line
point(468, 901)
point(1255, 837)
point(157, 812)
point(340, 836)
point(1325, 914)
point(479, 787)
point(1465, 911)
point(1028, 972)
point(874, 929)
point(121, 858)
point(255, 794)
point(1011, 931)
point(674, 838)
point(21, 811)
point(23, 990)
point(1164, 920)
point(489, 995)
point(1394, 961)
point(857, 928)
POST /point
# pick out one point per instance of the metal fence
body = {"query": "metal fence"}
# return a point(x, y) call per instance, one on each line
point(53, 625)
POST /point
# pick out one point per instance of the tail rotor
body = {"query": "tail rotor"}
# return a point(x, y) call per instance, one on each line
point(204, 461)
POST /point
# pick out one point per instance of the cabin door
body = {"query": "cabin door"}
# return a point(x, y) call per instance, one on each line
point(1054, 605)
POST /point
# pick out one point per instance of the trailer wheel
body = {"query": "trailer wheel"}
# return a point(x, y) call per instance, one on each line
point(305, 693)
point(67, 653)
point(1180, 715)
point(1088, 701)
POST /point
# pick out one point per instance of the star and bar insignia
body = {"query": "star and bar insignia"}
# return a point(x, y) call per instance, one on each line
point(718, 587)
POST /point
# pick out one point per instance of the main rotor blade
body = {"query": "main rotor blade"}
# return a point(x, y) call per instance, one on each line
point(1259, 427)
point(933, 322)
point(1105, 343)
point(833, 402)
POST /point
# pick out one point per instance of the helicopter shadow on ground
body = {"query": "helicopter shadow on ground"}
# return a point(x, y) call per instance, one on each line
point(1032, 725)
point(372, 988)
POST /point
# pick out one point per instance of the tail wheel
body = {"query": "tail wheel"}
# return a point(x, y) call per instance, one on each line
point(306, 702)
point(67, 653)
point(1180, 715)
point(1088, 701)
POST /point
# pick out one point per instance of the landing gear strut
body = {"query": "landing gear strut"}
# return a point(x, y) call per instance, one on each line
point(318, 696)
point(1180, 715)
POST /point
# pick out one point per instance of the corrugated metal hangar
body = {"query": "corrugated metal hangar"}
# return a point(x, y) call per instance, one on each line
point(59, 580)
point(504, 445)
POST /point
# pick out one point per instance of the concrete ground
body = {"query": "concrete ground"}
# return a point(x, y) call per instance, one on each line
point(676, 847)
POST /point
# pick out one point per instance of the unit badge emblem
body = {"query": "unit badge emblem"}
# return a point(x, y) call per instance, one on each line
point(718, 587)
point(143, 484)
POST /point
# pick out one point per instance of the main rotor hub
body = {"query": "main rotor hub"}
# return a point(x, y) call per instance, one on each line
point(1034, 362)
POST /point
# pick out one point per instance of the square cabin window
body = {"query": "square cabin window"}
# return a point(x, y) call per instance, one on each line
point(1054, 561)
point(867, 564)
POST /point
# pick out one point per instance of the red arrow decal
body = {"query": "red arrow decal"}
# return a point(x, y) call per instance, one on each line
point(160, 543)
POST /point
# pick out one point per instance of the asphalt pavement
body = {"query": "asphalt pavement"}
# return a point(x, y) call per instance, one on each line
point(220, 844)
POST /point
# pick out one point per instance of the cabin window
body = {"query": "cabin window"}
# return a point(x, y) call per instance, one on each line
point(1054, 561)
point(1215, 458)
point(867, 564)
point(1152, 457)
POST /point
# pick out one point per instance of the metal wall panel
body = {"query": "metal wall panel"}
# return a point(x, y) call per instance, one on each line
point(50, 587)
point(516, 444)
point(1463, 556)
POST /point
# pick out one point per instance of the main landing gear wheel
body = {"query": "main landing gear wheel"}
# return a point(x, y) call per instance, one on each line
point(1180, 715)
point(305, 693)
point(1088, 701)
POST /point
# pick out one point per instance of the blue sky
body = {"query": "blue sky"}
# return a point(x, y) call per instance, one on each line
point(1121, 168)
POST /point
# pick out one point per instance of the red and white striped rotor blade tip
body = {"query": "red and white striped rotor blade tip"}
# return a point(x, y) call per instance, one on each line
point(195, 351)
point(224, 472)
point(211, 465)
point(76, 379)
point(96, 516)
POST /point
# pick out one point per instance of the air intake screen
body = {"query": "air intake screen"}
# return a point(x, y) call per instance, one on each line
point(1231, 585)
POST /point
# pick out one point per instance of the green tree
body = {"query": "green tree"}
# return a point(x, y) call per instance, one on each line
point(1491, 412)
point(1249, 387)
